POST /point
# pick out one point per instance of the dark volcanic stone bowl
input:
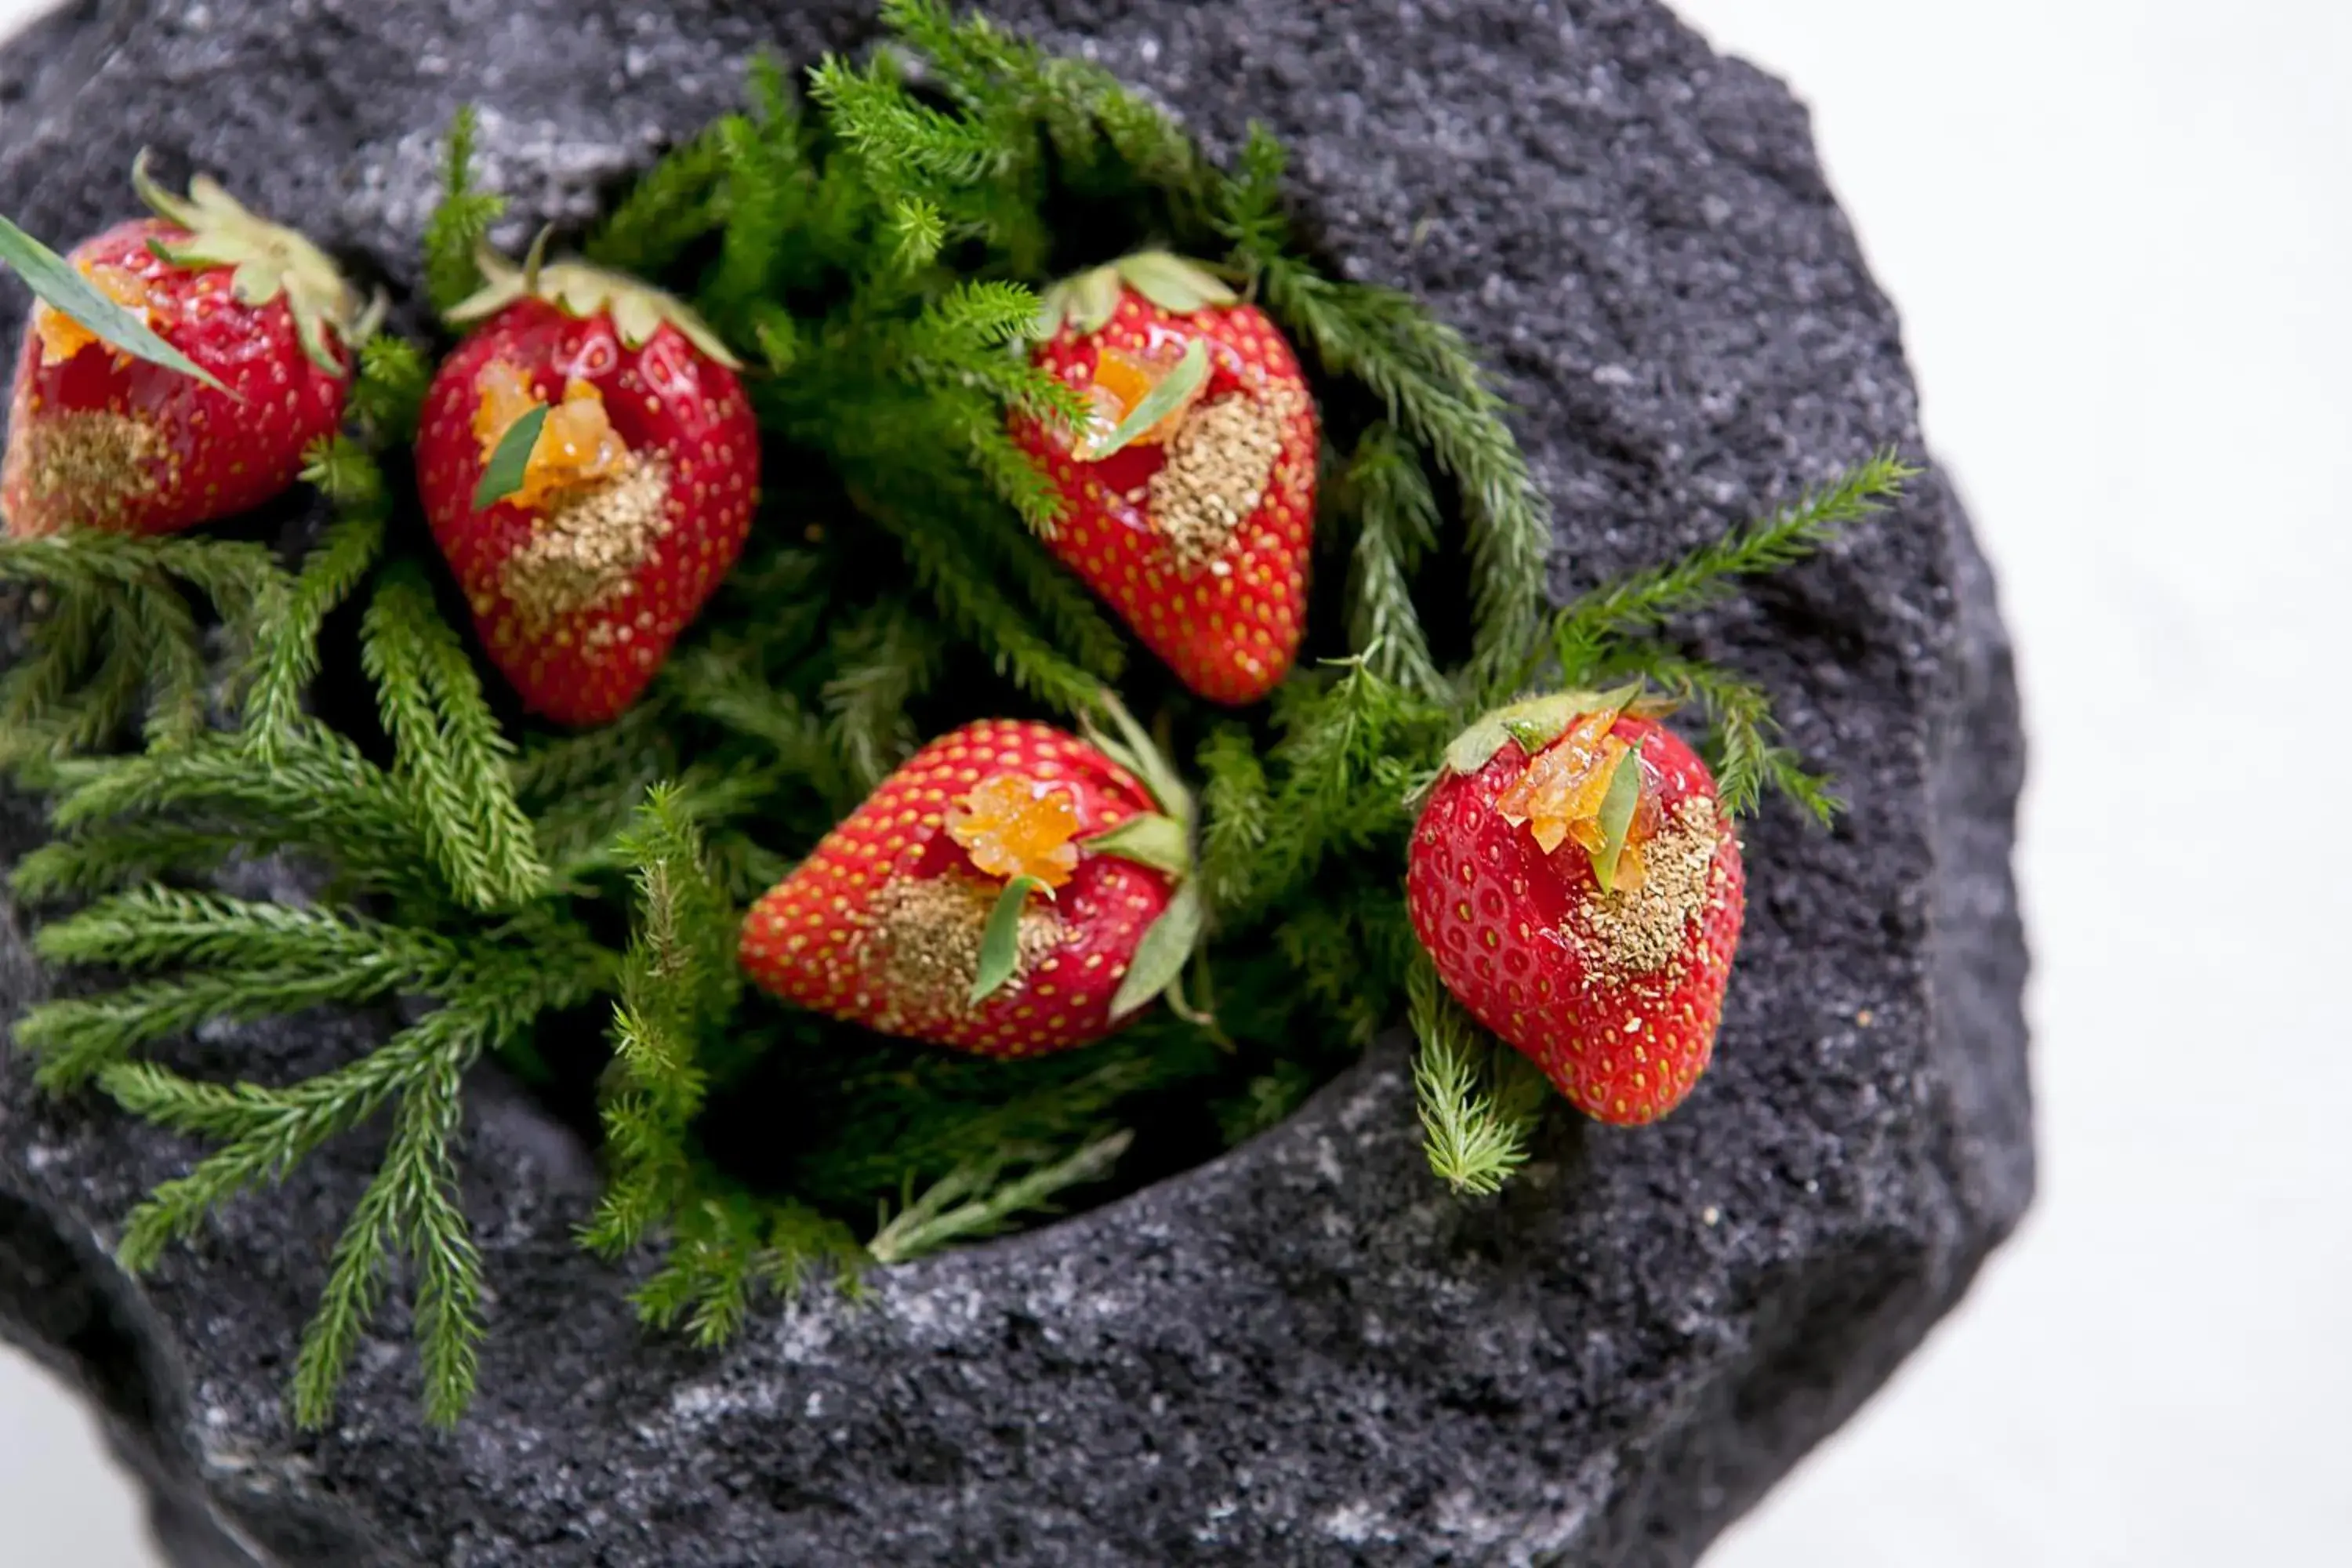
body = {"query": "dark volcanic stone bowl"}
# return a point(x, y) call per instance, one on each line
point(1305, 1351)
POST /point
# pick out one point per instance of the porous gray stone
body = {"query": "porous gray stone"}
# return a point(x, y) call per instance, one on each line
point(1303, 1352)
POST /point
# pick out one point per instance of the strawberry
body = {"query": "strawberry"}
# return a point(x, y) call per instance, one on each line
point(99, 439)
point(1189, 495)
point(1582, 893)
point(628, 506)
point(1010, 891)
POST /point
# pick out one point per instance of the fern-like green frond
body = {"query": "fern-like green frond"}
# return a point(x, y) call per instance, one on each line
point(969, 602)
point(1435, 392)
point(1341, 773)
point(1249, 203)
point(898, 135)
point(979, 1201)
point(730, 1245)
point(1643, 602)
point(887, 658)
point(320, 795)
point(389, 393)
point(286, 646)
point(763, 186)
point(1396, 525)
point(1236, 813)
point(672, 204)
point(246, 960)
point(678, 984)
point(1743, 748)
point(1479, 1101)
point(130, 852)
point(461, 222)
point(450, 746)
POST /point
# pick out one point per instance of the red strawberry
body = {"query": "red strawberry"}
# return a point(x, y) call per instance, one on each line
point(887, 923)
point(99, 439)
point(635, 500)
point(1195, 525)
point(1582, 895)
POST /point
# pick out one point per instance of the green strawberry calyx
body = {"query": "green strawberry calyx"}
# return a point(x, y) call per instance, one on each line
point(271, 261)
point(1163, 841)
point(1086, 302)
point(1535, 722)
point(636, 309)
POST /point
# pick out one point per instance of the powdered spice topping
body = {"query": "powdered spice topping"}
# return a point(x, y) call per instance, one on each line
point(90, 468)
point(1641, 930)
point(589, 547)
point(62, 337)
point(576, 448)
point(1215, 476)
point(920, 946)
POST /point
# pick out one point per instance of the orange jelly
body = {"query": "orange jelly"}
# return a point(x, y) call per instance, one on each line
point(1559, 794)
point(1121, 382)
point(62, 337)
point(576, 448)
point(1014, 826)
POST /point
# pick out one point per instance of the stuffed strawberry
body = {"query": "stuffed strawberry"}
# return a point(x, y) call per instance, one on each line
point(1190, 493)
point(1582, 895)
point(1011, 890)
point(99, 439)
point(618, 508)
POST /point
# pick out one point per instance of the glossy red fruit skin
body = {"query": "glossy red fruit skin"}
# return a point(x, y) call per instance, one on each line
point(1491, 908)
point(799, 941)
point(214, 454)
point(664, 397)
point(1230, 636)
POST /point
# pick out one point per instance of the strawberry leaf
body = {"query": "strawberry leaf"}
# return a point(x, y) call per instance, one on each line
point(1147, 838)
point(1162, 400)
point(503, 474)
point(58, 284)
point(1053, 309)
point(1534, 722)
point(1161, 956)
point(999, 944)
point(1134, 751)
point(1175, 284)
point(1093, 301)
point(1617, 817)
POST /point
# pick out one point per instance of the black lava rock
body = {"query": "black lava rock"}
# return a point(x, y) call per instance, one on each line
point(1304, 1352)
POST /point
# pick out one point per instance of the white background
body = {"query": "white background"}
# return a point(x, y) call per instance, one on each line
point(2118, 235)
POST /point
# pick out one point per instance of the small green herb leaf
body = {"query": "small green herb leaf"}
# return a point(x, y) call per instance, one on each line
point(1147, 838)
point(999, 944)
point(1617, 817)
point(1162, 400)
point(55, 281)
point(1161, 956)
point(502, 475)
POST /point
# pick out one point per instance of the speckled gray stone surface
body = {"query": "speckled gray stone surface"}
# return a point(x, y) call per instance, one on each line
point(1303, 1353)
